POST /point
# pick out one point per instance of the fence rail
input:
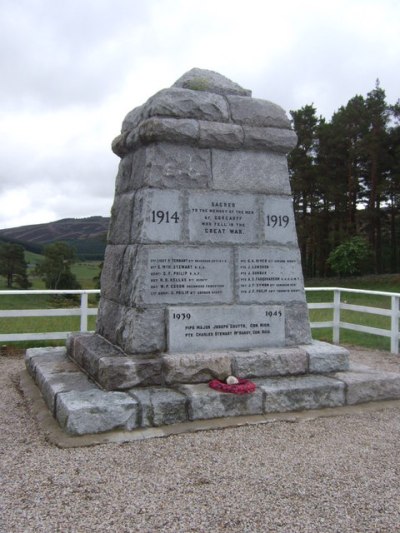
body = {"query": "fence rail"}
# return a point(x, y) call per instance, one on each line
point(84, 311)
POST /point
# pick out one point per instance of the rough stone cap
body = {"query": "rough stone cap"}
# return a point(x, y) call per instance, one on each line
point(198, 79)
point(205, 109)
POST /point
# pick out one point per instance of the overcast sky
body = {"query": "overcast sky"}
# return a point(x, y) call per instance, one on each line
point(72, 69)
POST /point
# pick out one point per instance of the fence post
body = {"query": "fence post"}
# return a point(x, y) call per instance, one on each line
point(336, 317)
point(394, 333)
point(84, 311)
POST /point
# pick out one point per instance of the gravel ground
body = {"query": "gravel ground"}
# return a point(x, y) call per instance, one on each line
point(337, 474)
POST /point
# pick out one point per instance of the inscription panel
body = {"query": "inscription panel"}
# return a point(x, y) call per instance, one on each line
point(158, 216)
point(279, 223)
point(206, 328)
point(269, 274)
point(188, 274)
point(222, 217)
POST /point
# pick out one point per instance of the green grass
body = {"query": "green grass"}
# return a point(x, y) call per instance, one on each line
point(386, 283)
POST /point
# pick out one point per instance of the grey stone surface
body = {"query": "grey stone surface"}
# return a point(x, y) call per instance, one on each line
point(160, 406)
point(242, 170)
point(95, 411)
point(303, 392)
point(268, 363)
point(274, 139)
point(220, 135)
point(132, 119)
point(268, 274)
point(120, 373)
point(179, 274)
point(141, 330)
point(362, 385)
point(223, 217)
point(121, 219)
point(172, 166)
point(279, 221)
point(256, 112)
point(198, 79)
point(123, 181)
point(158, 216)
point(36, 356)
point(111, 273)
point(185, 103)
point(325, 357)
point(51, 385)
point(236, 327)
point(196, 367)
point(108, 318)
point(205, 403)
point(170, 130)
point(298, 331)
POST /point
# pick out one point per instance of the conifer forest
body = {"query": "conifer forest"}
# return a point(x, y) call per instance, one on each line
point(345, 177)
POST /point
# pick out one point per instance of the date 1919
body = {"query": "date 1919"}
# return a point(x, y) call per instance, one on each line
point(277, 221)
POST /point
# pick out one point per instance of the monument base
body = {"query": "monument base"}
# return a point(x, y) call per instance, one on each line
point(81, 406)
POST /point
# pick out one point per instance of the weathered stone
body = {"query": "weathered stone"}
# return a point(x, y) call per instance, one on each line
point(185, 103)
point(95, 411)
point(160, 406)
point(255, 112)
point(120, 373)
point(121, 219)
point(198, 79)
point(196, 367)
point(304, 392)
point(120, 146)
point(250, 171)
point(36, 356)
point(366, 385)
point(173, 166)
point(123, 181)
point(108, 318)
point(325, 358)
point(268, 363)
point(112, 271)
point(169, 129)
point(297, 327)
point(51, 385)
point(141, 330)
point(205, 403)
point(220, 135)
point(132, 119)
point(274, 139)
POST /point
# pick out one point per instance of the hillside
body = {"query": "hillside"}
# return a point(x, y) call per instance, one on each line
point(87, 235)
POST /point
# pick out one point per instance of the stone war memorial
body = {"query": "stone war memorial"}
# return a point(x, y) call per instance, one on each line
point(202, 278)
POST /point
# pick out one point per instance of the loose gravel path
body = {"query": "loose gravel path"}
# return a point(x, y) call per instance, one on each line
point(337, 474)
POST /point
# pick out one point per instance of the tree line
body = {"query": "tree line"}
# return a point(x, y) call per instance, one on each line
point(345, 178)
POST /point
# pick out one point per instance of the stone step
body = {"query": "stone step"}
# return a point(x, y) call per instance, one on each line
point(81, 407)
point(113, 370)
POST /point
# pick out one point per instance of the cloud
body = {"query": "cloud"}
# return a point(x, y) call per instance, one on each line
point(72, 70)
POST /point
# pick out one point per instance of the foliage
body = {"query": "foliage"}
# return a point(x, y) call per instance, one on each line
point(348, 258)
point(13, 265)
point(345, 177)
point(55, 269)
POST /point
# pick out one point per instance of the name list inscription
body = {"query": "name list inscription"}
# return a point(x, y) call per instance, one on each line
point(221, 327)
point(222, 217)
point(180, 275)
point(269, 274)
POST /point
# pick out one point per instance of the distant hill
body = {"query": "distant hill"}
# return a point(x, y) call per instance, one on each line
point(87, 235)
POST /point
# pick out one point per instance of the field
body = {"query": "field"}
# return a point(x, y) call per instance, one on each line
point(87, 271)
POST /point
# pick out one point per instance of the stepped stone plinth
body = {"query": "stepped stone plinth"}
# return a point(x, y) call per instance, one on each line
point(202, 274)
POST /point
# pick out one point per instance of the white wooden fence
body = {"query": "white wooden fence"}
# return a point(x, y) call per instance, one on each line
point(336, 324)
